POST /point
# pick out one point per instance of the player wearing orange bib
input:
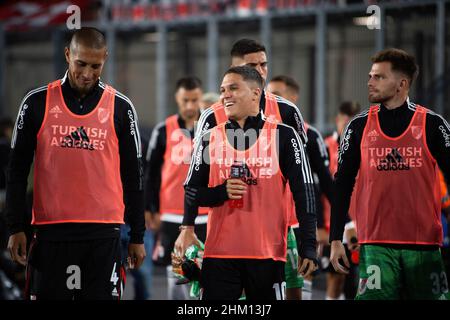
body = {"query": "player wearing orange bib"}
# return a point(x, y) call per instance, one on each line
point(248, 159)
point(84, 138)
point(395, 147)
point(168, 157)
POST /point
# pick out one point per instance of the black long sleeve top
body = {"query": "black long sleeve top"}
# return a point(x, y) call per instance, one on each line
point(393, 123)
point(297, 173)
point(290, 115)
point(29, 121)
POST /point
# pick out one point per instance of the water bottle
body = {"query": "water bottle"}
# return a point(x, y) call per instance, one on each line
point(237, 171)
point(192, 272)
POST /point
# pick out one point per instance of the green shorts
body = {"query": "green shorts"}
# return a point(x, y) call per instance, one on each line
point(387, 273)
point(293, 279)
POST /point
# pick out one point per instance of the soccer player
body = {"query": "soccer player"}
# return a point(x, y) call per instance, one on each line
point(248, 159)
point(395, 147)
point(168, 157)
point(84, 138)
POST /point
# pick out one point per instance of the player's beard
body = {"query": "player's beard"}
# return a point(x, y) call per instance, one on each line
point(378, 98)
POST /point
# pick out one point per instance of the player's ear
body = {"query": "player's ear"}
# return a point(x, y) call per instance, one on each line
point(403, 84)
point(256, 93)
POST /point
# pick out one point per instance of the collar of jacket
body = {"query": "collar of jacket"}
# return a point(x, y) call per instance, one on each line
point(252, 122)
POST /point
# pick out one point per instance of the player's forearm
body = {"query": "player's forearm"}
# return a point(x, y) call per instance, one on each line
point(205, 196)
point(190, 213)
point(319, 211)
point(132, 177)
point(16, 189)
point(15, 210)
point(134, 207)
point(307, 231)
point(304, 198)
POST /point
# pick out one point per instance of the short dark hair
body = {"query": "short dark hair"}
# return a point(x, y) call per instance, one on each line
point(90, 37)
point(248, 74)
point(400, 60)
point(245, 46)
point(349, 108)
point(288, 81)
point(188, 83)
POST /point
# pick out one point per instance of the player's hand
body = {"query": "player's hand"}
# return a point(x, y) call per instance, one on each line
point(338, 253)
point(185, 239)
point(306, 267)
point(17, 247)
point(136, 255)
point(236, 188)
